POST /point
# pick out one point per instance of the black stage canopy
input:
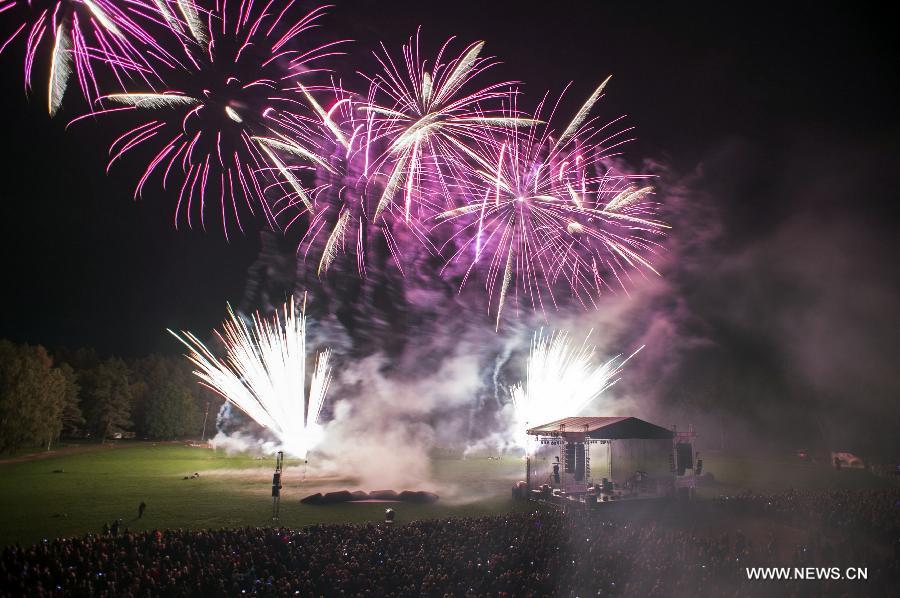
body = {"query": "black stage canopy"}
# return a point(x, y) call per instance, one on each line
point(606, 428)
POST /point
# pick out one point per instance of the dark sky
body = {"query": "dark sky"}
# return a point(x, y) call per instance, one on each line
point(806, 91)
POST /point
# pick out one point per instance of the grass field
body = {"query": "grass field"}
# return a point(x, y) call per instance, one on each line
point(734, 475)
point(101, 484)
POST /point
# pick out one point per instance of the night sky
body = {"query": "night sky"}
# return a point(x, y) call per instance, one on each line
point(785, 116)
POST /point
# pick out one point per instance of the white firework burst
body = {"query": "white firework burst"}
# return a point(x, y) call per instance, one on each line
point(561, 380)
point(263, 373)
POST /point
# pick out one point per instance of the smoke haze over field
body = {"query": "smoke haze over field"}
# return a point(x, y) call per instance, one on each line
point(777, 311)
point(774, 335)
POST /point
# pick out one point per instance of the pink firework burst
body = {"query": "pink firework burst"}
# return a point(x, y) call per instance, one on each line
point(224, 123)
point(545, 210)
point(340, 218)
point(427, 116)
point(77, 35)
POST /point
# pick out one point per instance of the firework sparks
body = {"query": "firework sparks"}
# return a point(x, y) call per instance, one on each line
point(236, 125)
point(545, 209)
point(428, 119)
point(340, 211)
point(80, 34)
point(263, 374)
point(561, 380)
point(221, 127)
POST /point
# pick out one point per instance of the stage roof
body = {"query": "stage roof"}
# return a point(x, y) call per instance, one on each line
point(607, 428)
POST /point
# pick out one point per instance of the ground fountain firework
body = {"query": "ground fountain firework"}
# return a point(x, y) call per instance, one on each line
point(561, 380)
point(263, 373)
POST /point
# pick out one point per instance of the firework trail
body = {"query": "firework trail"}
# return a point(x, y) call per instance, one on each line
point(79, 34)
point(414, 126)
point(234, 115)
point(263, 374)
point(340, 219)
point(561, 380)
point(429, 118)
point(546, 210)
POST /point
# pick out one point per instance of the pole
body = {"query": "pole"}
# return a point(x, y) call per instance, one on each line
point(276, 485)
point(205, 417)
point(610, 461)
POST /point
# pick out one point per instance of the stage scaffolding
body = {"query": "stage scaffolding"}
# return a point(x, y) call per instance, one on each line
point(610, 457)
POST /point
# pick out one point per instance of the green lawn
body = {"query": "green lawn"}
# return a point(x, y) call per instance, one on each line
point(106, 484)
point(734, 475)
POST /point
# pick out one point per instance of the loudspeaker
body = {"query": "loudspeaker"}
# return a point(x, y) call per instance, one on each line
point(579, 462)
point(570, 457)
point(684, 457)
point(699, 469)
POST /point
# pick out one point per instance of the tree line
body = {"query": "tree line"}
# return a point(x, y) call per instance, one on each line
point(78, 394)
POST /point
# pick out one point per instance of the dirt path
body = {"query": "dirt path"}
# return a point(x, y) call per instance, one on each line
point(60, 452)
point(76, 449)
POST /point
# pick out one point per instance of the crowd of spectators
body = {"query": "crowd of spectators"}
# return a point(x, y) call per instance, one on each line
point(875, 512)
point(547, 552)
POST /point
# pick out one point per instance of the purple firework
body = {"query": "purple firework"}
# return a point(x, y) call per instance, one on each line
point(341, 219)
point(427, 118)
point(226, 121)
point(80, 34)
point(410, 137)
point(546, 208)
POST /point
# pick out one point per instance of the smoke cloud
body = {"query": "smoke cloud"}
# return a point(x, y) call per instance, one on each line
point(772, 325)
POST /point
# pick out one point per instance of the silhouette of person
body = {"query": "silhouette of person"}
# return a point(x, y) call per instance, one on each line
point(141, 508)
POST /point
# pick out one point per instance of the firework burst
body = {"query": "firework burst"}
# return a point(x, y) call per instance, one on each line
point(79, 34)
point(263, 374)
point(233, 116)
point(561, 380)
point(341, 218)
point(429, 118)
point(545, 209)
point(226, 92)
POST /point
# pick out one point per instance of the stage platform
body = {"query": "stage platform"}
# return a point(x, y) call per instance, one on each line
point(629, 508)
point(589, 501)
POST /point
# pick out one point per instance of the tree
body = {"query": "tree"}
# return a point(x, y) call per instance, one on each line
point(32, 394)
point(72, 418)
point(53, 388)
point(106, 398)
point(172, 412)
point(164, 398)
point(80, 359)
